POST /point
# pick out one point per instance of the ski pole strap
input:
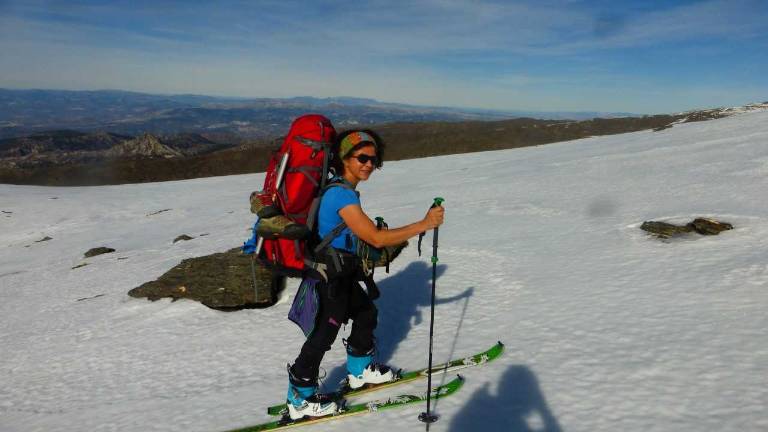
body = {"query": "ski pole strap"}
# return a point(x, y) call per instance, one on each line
point(380, 223)
point(418, 246)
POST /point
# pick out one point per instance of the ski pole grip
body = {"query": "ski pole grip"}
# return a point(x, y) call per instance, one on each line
point(438, 202)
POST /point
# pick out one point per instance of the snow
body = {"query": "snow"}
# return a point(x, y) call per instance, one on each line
point(606, 327)
point(754, 107)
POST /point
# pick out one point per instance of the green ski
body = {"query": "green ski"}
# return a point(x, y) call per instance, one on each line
point(360, 408)
point(403, 377)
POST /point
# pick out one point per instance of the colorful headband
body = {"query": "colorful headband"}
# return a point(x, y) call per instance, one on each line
point(350, 141)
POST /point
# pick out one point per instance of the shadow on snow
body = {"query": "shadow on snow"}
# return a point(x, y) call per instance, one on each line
point(517, 405)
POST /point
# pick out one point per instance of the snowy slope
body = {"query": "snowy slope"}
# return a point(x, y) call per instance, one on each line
point(607, 329)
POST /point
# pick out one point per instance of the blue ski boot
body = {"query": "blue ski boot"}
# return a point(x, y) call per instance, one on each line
point(361, 369)
point(304, 400)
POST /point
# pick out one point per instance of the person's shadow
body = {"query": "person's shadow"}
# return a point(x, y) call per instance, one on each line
point(403, 297)
point(517, 406)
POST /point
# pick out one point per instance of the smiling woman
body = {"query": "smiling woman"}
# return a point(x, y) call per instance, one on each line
point(355, 150)
point(337, 293)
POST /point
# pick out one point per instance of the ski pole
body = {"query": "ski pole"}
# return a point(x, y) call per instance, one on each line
point(428, 417)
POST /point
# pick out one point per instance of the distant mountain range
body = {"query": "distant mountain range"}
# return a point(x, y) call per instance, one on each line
point(23, 112)
point(112, 137)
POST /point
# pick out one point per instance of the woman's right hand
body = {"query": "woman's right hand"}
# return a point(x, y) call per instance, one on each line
point(434, 218)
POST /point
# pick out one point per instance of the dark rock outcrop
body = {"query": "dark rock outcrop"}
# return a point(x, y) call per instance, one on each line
point(98, 251)
point(709, 226)
point(182, 237)
point(223, 281)
point(145, 145)
point(702, 226)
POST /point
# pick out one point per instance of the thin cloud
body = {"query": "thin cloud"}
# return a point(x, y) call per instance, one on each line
point(529, 55)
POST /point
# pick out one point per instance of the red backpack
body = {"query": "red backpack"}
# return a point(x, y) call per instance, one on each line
point(294, 178)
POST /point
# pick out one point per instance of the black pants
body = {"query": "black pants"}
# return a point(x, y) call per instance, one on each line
point(340, 300)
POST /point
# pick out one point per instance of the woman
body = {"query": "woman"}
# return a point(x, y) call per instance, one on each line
point(355, 156)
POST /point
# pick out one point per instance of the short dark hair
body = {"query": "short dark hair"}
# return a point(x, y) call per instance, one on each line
point(336, 164)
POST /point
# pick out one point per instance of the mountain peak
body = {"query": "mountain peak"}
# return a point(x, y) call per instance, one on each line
point(146, 145)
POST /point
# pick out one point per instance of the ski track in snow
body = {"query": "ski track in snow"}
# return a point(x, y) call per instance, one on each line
point(606, 327)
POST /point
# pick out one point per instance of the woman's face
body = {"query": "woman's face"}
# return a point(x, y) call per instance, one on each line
point(354, 169)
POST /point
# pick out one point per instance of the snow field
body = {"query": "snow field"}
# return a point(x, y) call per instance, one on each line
point(606, 327)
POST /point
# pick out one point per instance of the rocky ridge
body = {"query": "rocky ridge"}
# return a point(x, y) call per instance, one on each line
point(72, 147)
point(146, 145)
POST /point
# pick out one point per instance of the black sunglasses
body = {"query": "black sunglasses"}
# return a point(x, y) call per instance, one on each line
point(364, 159)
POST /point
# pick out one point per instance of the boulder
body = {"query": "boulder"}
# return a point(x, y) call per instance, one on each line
point(702, 226)
point(664, 229)
point(98, 251)
point(223, 281)
point(709, 226)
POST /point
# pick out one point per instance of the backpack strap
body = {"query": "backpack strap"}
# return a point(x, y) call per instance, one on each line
point(340, 182)
point(324, 244)
point(306, 170)
point(316, 146)
point(330, 236)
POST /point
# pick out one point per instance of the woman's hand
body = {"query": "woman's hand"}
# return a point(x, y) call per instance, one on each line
point(365, 229)
point(434, 217)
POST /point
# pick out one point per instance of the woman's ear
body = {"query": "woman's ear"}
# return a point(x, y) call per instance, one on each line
point(344, 165)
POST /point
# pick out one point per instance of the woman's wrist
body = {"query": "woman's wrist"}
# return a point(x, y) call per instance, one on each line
point(423, 225)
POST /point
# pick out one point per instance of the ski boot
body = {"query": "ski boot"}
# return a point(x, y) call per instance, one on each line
point(304, 400)
point(361, 369)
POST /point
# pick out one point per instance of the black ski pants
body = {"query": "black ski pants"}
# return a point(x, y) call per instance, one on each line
point(340, 300)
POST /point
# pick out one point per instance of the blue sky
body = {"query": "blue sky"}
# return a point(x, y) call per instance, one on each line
point(634, 56)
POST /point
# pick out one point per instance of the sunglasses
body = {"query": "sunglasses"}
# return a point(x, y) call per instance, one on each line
point(364, 159)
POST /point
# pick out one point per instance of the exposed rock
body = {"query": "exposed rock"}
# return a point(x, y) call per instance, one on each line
point(48, 150)
point(146, 145)
point(664, 229)
point(182, 237)
point(61, 142)
point(98, 251)
point(222, 281)
point(44, 239)
point(702, 226)
point(709, 226)
point(80, 265)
